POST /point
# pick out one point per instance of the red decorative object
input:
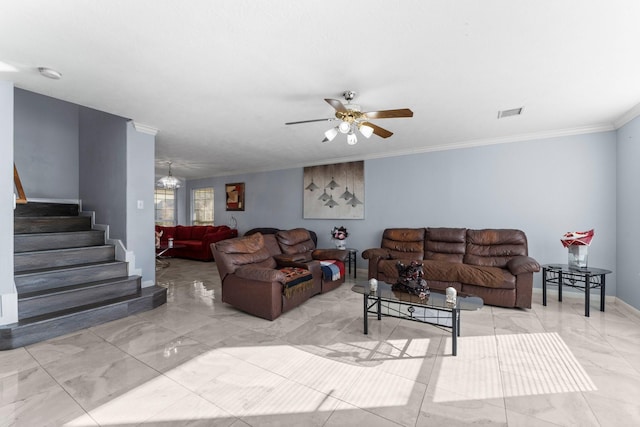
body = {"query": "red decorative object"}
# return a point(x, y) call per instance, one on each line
point(577, 238)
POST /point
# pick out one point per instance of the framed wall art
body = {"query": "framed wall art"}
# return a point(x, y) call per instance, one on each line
point(235, 196)
point(334, 191)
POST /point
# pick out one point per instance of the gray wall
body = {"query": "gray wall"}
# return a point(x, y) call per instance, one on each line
point(628, 268)
point(103, 169)
point(543, 187)
point(8, 304)
point(140, 186)
point(46, 146)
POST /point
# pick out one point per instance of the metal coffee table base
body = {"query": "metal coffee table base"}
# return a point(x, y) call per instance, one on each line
point(448, 318)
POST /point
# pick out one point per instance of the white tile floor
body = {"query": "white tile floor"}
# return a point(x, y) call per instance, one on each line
point(197, 361)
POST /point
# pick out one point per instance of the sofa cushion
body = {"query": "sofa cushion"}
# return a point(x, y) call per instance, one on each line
point(404, 243)
point(190, 244)
point(198, 231)
point(295, 241)
point(387, 268)
point(445, 244)
point(183, 232)
point(494, 247)
point(491, 277)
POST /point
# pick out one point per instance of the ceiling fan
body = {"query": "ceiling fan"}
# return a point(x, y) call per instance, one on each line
point(352, 117)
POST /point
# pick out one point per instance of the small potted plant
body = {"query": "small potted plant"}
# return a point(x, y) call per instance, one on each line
point(339, 235)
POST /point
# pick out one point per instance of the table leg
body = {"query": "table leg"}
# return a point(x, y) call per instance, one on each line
point(587, 293)
point(379, 309)
point(602, 292)
point(454, 332)
point(355, 265)
point(560, 286)
point(366, 320)
point(544, 286)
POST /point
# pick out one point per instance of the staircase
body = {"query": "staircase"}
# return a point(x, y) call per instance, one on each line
point(67, 278)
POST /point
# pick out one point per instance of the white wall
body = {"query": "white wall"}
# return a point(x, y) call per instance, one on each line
point(8, 296)
point(628, 267)
point(140, 186)
point(543, 187)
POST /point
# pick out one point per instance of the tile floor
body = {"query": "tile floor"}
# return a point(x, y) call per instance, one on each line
point(196, 361)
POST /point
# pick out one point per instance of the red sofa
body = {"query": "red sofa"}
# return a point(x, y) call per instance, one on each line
point(194, 240)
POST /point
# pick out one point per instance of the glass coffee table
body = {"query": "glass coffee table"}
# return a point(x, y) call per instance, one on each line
point(434, 309)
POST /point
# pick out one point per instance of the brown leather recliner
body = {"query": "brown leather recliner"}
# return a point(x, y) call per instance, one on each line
point(253, 280)
point(297, 245)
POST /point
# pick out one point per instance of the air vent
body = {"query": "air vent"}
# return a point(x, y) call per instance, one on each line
point(510, 113)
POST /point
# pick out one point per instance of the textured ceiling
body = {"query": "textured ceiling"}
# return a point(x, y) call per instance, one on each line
point(219, 79)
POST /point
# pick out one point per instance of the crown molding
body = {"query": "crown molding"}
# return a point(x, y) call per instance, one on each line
point(145, 129)
point(627, 117)
point(500, 140)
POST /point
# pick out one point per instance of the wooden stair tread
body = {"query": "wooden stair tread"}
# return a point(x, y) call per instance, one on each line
point(74, 267)
point(143, 293)
point(65, 289)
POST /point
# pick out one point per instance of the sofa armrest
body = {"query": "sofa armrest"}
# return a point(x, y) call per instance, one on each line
point(261, 274)
point(522, 264)
point(281, 259)
point(337, 254)
point(378, 253)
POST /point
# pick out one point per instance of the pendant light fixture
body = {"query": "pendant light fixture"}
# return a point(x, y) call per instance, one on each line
point(169, 182)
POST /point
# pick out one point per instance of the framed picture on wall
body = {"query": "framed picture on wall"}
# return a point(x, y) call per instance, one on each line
point(235, 196)
point(334, 191)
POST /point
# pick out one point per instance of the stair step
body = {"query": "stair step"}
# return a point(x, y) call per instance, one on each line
point(47, 241)
point(46, 209)
point(55, 300)
point(25, 261)
point(50, 224)
point(59, 277)
point(40, 328)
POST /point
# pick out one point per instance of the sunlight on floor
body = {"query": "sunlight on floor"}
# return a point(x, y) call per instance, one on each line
point(286, 379)
point(531, 364)
point(268, 380)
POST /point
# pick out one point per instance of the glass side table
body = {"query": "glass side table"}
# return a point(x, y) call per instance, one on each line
point(583, 279)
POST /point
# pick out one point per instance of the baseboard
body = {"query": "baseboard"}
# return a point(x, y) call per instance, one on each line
point(627, 308)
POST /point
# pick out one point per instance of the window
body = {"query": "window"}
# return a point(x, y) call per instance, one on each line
point(165, 204)
point(202, 206)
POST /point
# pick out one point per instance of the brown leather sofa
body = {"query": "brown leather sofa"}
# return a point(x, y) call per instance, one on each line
point(255, 269)
point(491, 263)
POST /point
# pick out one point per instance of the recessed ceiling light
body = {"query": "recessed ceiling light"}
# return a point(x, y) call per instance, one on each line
point(50, 73)
point(510, 113)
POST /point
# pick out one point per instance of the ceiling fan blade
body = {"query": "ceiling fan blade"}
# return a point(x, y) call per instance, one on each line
point(381, 132)
point(389, 114)
point(311, 121)
point(339, 106)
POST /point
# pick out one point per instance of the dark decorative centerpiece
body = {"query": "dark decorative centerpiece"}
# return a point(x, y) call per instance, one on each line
point(410, 279)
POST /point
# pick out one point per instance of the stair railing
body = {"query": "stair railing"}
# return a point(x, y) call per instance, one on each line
point(22, 198)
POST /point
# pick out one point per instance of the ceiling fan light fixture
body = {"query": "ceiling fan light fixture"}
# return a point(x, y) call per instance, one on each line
point(365, 130)
point(352, 139)
point(331, 133)
point(344, 127)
